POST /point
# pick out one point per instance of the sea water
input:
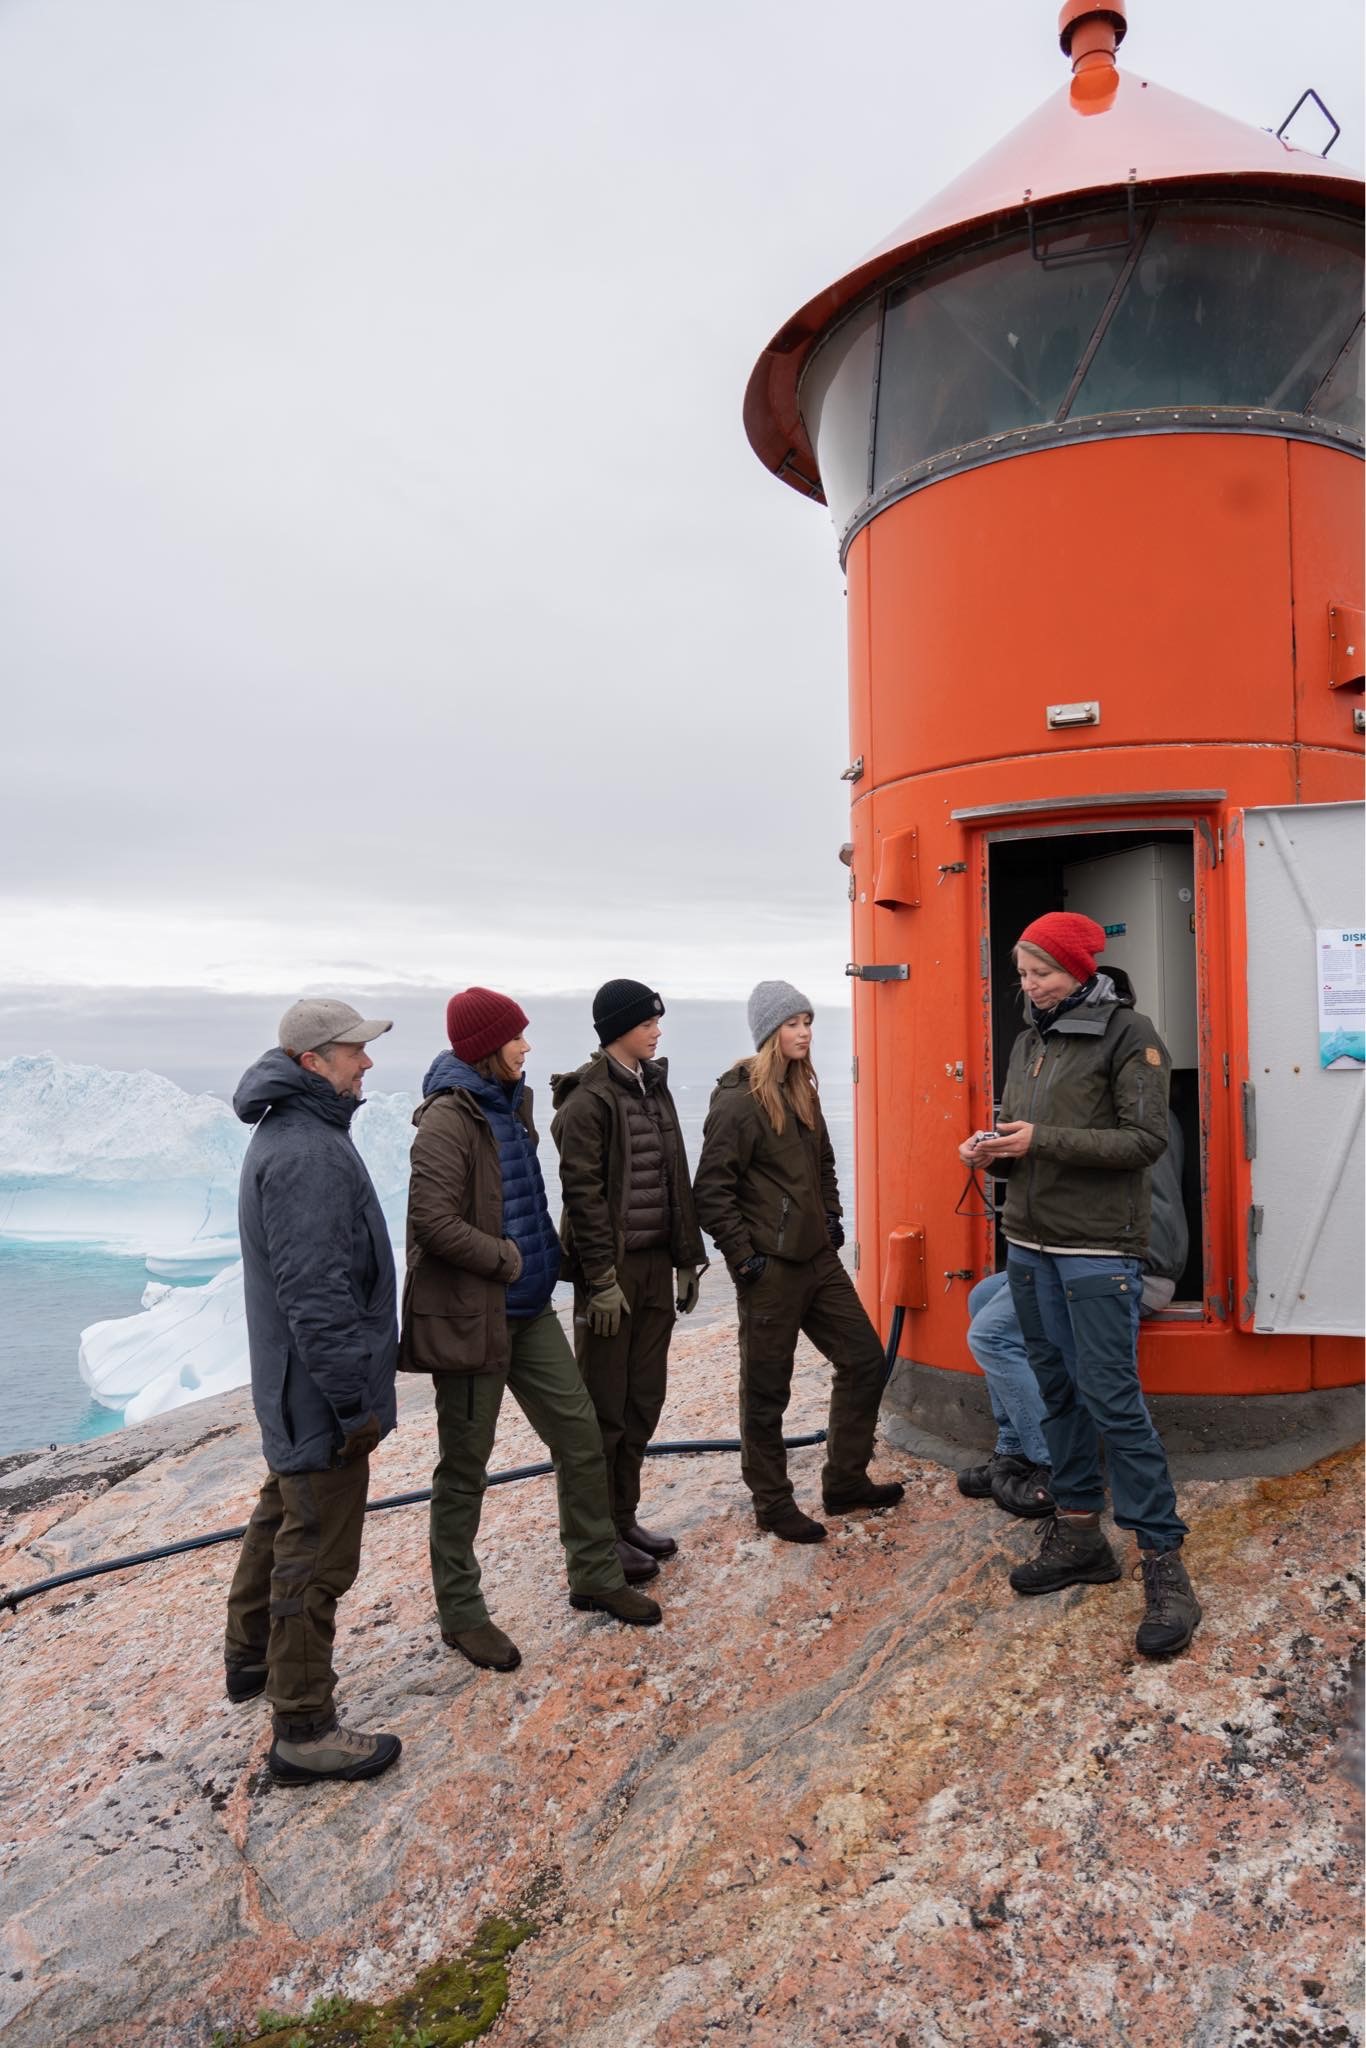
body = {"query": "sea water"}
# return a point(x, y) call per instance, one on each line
point(48, 1294)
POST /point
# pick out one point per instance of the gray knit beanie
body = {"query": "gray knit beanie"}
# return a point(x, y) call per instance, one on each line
point(773, 1003)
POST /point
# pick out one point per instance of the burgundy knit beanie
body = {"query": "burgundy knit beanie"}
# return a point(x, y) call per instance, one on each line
point(479, 1021)
point(1067, 937)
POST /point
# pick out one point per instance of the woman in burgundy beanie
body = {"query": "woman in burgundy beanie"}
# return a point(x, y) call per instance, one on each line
point(1083, 1118)
point(1068, 938)
point(483, 1260)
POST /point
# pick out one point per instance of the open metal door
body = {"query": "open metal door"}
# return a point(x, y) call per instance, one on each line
point(1302, 1120)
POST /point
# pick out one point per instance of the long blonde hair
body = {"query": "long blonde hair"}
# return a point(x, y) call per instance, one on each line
point(775, 1082)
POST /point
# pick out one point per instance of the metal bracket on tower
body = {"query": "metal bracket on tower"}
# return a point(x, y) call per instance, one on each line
point(901, 972)
point(854, 772)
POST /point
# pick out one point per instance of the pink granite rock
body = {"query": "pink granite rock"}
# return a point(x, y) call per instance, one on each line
point(854, 1793)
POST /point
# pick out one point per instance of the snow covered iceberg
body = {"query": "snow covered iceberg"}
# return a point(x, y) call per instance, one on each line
point(127, 1162)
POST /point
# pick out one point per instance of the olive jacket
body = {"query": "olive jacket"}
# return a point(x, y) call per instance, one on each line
point(761, 1190)
point(592, 1131)
point(1094, 1081)
point(460, 1264)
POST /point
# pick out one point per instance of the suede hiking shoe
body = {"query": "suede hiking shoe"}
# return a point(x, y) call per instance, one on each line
point(1071, 1554)
point(337, 1753)
point(1026, 1494)
point(622, 1603)
point(1172, 1613)
point(974, 1481)
point(485, 1646)
point(871, 1494)
point(791, 1525)
point(636, 1566)
point(244, 1682)
point(648, 1540)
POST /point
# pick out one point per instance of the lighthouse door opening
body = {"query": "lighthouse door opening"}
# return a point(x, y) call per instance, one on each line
point(1139, 886)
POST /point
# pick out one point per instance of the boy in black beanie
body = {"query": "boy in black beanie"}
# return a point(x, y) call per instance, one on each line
point(630, 1238)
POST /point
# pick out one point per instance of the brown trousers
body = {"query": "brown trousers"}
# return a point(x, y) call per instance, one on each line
point(627, 1375)
point(814, 1298)
point(300, 1553)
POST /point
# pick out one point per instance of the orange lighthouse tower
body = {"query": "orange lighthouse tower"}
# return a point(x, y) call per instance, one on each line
point(1089, 426)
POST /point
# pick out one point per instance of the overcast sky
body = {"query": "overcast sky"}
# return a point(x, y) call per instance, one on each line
point(387, 589)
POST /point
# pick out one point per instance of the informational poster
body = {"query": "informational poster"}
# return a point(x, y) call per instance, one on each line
point(1342, 998)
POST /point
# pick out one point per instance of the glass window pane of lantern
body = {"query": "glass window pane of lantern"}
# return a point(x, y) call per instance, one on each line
point(836, 406)
point(1228, 307)
point(988, 343)
point(1339, 399)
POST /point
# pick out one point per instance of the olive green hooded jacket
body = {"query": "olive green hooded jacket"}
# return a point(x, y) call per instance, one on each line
point(1094, 1083)
point(591, 1132)
point(761, 1190)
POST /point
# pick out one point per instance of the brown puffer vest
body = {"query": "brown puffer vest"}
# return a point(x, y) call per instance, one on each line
point(648, 1207)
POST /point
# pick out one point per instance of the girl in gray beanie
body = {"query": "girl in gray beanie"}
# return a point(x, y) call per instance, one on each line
point(766, 1193)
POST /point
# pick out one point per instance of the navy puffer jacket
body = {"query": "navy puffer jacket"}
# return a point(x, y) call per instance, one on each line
point(526, 1214)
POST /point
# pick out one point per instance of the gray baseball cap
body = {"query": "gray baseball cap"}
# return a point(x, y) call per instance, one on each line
point(321, 1020)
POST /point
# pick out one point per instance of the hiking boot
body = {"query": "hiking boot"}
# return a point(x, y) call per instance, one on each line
point(1026, 1494)
point(869, 1493)
point(337, 1752)
point(485, 1646)
point(791, 1525)
point(975, 1481)
point(1071, 1554)
point(1172, 1614)
point(622, 1604)
point(244, 1682)
point(636, 1566)
point(653, 1544)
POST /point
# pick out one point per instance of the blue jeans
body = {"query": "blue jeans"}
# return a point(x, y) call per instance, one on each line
point(995, 1342)
point(1079, 1319)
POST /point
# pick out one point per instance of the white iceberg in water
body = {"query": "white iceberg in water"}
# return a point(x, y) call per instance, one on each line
point(131, 1163)
point(123, 1161)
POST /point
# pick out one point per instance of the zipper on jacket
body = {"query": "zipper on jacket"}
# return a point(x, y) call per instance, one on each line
point(782, 1221)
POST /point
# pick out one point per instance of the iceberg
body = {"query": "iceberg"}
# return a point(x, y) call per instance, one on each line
point(119, 1161)
point(132, 1163)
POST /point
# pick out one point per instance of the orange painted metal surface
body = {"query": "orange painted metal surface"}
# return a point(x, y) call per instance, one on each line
point(962, 631)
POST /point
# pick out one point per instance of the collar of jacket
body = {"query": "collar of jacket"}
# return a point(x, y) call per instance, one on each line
point(597, 1074)
point(277, 1082)
point(1086, 1013)
point(449, 1072)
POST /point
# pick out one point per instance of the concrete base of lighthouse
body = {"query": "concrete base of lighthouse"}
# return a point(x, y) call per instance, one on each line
point(945, 1416)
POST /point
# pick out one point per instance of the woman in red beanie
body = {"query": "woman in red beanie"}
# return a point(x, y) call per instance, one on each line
point(483, 1259)
point(1083, 1118)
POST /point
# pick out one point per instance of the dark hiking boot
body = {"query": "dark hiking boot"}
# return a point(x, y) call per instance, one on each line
point(1172, 1614)
point(1071, 1554)
point(1027, 1494)
point(636, 1566)
point(648, 1540)
point(244, 1682)
point(485, 1646)
point(869, 1493)
point(337, 1752)
point(975, 1481)
point(622, 1603)
point(791, 1525)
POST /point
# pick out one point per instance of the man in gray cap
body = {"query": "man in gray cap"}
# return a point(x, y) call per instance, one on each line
point(323, 1335)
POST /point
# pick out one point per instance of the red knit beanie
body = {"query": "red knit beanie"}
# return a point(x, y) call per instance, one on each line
point(1067, 937)
point(479, 1021)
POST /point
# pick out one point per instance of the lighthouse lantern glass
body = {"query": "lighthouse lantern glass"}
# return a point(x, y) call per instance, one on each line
point(1224, 305)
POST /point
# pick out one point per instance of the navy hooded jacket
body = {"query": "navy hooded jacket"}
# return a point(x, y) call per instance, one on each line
point(526, 1214)
point(321, 1301)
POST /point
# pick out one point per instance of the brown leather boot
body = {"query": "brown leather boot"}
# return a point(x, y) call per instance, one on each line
point(647, 1540)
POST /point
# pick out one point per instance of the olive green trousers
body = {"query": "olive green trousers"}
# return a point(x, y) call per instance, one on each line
point(546, 1384)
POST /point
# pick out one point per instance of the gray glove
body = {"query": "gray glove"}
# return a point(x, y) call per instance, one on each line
point(607, 1305)
point(688, 1282)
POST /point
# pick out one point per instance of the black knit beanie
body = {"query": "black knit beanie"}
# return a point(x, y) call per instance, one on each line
point(619, 1006)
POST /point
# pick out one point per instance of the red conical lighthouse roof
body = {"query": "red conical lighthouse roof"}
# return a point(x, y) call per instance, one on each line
point(1106, 130)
